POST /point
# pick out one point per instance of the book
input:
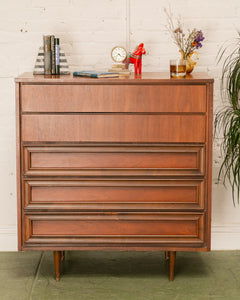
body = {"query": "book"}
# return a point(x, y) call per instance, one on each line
point(47, 54)
point(120, 71)
point(57, 56)
point(52, 37)
point(119, 65)
point(51, 52)
point(96, 74)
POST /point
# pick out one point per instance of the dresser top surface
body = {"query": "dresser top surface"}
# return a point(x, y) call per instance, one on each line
point(144, 78)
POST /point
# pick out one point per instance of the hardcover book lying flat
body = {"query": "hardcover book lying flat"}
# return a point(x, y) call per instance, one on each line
point(96, 74)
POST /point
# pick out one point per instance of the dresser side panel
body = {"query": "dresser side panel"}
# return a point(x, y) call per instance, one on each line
point(209, 163)
point(18, 163)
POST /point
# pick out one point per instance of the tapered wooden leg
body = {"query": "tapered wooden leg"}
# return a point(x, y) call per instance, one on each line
point(166, 255)
point(172, 258)
point(62, 255)
point(57, 259)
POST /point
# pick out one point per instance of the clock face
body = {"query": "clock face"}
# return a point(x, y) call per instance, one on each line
point(118, 54)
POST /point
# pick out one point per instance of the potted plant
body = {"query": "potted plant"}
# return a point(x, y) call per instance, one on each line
point(186, 42)
point(228, 118)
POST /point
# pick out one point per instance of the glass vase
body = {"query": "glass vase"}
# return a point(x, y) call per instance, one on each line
point(191, 59)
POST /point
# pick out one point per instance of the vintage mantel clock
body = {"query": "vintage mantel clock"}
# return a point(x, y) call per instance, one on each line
point(119, 57)
point(118, 54)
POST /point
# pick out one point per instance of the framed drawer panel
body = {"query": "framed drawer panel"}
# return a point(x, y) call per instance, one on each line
point(160, 128)
point(115, 228)
point(114, 160)
point(113, 194)
point(113, 98)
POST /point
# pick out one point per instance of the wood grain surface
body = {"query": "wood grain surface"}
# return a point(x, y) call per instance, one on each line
point(113, 98)
point(114, 128)
point(119, 163)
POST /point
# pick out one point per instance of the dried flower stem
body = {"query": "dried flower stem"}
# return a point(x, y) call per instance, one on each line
point(186, 43)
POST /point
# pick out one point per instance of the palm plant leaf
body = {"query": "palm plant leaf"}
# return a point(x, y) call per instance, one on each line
point(228, 118)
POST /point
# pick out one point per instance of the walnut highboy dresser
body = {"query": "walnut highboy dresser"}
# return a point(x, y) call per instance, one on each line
point(114, 164)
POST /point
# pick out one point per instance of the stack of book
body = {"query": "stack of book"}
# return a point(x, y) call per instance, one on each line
point(120, 68)
point(51, 55)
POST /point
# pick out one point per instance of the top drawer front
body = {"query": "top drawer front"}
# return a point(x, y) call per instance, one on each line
point(113, 98)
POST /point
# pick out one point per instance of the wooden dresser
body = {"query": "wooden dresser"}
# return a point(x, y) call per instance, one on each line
point(114, 164)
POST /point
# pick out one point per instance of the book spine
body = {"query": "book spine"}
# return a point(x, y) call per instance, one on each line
point(47, 55)
point(53, 71)
point(57, 56)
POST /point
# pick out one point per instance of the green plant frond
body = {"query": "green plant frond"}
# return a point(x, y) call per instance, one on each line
point(228, 117)
point(224, 48)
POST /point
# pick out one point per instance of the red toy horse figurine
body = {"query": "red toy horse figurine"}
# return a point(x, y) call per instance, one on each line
point(136, 58)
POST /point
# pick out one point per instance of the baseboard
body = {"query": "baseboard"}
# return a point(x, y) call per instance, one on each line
point(225, 237)
point(8, 238)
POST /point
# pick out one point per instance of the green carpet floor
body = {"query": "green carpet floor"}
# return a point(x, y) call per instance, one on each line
point(120, 276)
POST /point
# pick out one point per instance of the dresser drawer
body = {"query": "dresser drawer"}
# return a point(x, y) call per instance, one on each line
point(113, 194)
point(114, 128)
point(113, 98)
point(114, 160)
point(115, 228)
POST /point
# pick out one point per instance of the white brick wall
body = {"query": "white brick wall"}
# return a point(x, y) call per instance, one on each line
point(88, 29)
